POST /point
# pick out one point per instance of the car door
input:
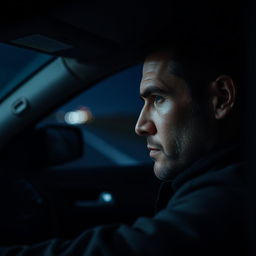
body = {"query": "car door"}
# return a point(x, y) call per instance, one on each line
point(111, 182)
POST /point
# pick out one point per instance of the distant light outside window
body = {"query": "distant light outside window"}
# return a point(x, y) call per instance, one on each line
point(16, 64)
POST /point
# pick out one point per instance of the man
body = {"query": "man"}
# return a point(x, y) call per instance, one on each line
point(178, 128)
point(192, 139)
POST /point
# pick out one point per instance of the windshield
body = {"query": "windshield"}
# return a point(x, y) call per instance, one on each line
point(16, 64)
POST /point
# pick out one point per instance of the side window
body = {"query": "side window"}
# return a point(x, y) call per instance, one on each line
point(107, 114)
point(16, 65)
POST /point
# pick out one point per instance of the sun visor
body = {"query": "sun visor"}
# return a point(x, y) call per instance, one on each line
point(49, 36)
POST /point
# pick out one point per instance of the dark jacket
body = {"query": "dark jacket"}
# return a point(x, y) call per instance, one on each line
point(201, 213)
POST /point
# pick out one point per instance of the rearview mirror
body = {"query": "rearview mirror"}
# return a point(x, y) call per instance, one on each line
point(43, 147)
point(60, 144)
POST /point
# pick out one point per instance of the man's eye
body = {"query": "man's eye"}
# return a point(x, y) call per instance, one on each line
point(158, 99)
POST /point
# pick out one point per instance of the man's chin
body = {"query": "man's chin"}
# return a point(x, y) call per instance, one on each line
point(161, 172)
point(165, 172)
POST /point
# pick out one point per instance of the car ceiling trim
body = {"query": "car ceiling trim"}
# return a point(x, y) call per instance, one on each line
point(42, 91)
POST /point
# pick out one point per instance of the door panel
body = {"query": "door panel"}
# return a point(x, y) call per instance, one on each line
point(81, 199)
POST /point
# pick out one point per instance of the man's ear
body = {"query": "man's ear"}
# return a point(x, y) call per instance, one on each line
point(223, 95)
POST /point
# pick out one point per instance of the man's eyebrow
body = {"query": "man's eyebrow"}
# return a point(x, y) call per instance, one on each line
point(151, 90)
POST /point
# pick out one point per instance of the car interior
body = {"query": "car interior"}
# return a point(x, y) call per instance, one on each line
point(60, 176)
point(44, 193)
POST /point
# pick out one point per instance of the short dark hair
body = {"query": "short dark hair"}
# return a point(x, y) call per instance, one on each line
point(201, 64)
point(205, 40)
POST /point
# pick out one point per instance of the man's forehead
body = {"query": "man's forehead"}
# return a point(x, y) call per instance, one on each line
point(156, 61)
point(151, 71)
point(154, 71)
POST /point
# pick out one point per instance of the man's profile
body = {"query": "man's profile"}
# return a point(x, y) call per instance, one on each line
point(178, 129)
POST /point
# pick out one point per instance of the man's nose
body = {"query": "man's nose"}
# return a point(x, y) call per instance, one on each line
point(145, 126)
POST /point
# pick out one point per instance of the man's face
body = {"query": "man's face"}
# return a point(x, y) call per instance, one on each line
point(175, 131)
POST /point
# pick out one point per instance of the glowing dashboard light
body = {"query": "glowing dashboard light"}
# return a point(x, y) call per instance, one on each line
point(77, 117)
point(106, 198)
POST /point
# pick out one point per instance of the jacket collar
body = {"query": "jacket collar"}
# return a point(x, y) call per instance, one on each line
point(216, 159)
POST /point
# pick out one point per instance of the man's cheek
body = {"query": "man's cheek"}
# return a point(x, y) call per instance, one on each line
point(168, 139)
point(165, 108)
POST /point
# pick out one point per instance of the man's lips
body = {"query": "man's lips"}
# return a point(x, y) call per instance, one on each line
point(153, 150)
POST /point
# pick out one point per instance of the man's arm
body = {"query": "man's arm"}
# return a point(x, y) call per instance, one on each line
point(205, 220)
